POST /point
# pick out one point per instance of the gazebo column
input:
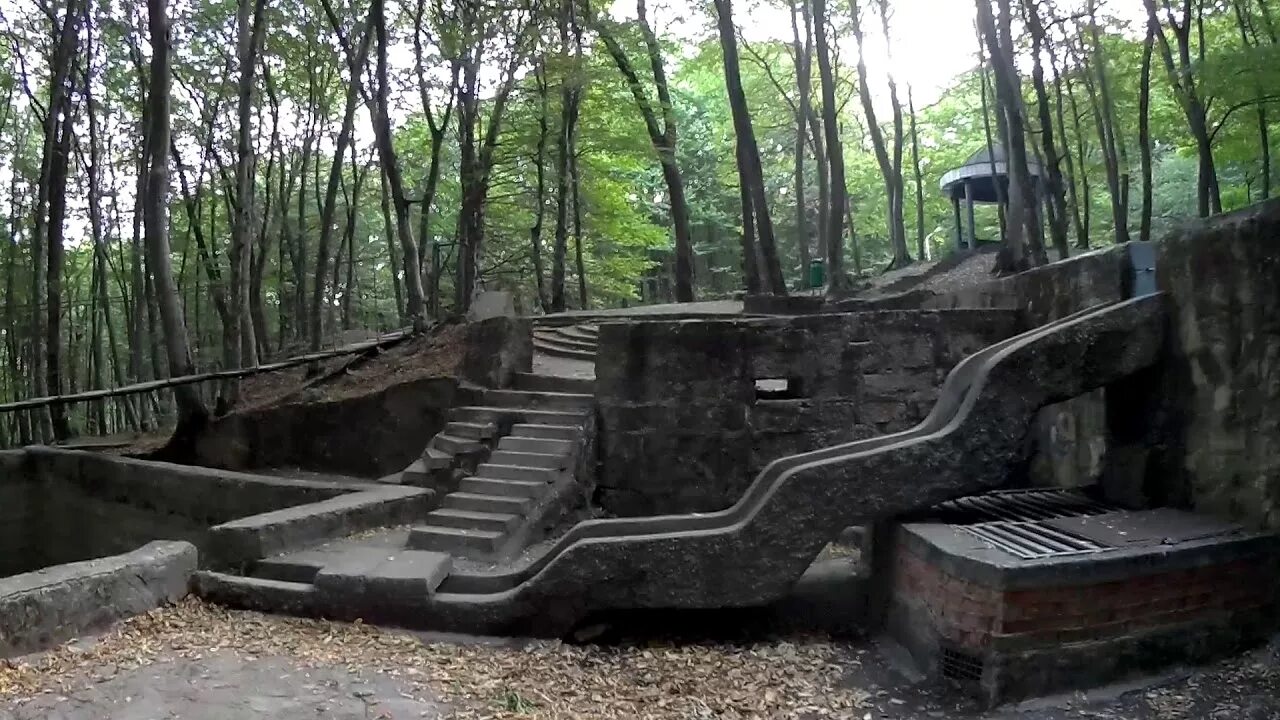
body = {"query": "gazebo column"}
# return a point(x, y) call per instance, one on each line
point(955, 206)
point(968, 199)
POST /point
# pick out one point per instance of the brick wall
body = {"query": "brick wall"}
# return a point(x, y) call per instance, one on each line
point(684, 430)
point(975, 617)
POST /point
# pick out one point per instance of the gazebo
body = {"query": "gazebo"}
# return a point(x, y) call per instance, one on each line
point(976, 181)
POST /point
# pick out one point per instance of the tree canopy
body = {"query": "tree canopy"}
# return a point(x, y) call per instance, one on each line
point(204, 184)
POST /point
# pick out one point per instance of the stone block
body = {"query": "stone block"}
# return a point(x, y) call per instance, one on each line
point(259, 536)
point(42, 608)
point(491, 304)
point(497, 349)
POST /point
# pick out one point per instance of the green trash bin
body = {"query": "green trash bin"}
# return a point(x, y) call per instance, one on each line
point(817, 273)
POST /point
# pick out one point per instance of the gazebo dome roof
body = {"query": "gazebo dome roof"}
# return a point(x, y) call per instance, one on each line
point(977, 171)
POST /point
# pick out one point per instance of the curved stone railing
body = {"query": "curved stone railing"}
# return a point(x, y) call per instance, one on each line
point(954, 390)
point(756, 555)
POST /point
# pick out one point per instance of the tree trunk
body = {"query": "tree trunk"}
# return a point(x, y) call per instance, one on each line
point(1250, 40)
point(1182, 77)
point(919, 177)
point(415, 305)
point(239, 326)
point(389, 232)
point(803, 54)
point(750, 171)
point(1144, 133)
point(47, 260)
point(890, 165)
point(540, 195)
point(1022, 247)
point(1057, 194)
point(747, 236)
point(664, 141)
point(191, 411)
point(355, 66)
point(835, 154)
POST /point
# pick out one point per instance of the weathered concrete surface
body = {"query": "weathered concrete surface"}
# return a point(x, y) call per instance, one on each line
point(41, 608)
point(684, 429)
point(1217, 400)
point(497, 349)
point(252, 538)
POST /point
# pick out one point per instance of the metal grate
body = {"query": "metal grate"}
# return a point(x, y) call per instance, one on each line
point(960, 666)
point(1017, 521)
point(1022, 505)
point(1032, 540)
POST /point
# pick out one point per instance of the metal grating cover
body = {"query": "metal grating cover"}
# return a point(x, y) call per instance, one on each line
point(1032, 540)
point(1015, 521)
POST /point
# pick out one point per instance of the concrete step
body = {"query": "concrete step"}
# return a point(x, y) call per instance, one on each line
point(540, 400)
point(456, 445)
point(355, 572)
point(472, 520)
point(577, 332)
point(516, 472)
point(416, 474)
point(294, 568)
point(486, 413)
point(551, 432)
point(504, 487)
point(487, 503)
point(542, 446)
point(529, 460)
point(560, 338)
point(471, 430)
point(550, 347)
point(434, 459)
point(453, 540)
point(555, 383)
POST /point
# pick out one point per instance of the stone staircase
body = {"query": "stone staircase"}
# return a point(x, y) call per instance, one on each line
point(537, 437)
point(570, 341)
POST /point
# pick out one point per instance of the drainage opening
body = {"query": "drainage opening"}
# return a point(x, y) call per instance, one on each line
point(777, 388)
point(959, 666)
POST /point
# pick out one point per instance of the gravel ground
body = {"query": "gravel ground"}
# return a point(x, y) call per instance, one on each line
point(197, 661)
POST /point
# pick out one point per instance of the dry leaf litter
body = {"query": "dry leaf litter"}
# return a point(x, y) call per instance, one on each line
point(539, 680)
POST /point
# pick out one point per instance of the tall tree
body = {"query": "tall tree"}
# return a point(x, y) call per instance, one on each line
point(191, 410)
point(415, 306)
point(890, 160)
point(662, 136)
point(1182, 78)
point(1055, 186)
point(1022, 245)
point(835, 153)
point(750, 173)
point(356, 62)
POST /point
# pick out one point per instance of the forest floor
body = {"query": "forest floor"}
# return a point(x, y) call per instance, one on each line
point(201, 662)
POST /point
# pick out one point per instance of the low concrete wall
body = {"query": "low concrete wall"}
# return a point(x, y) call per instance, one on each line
point(42, 608)
point(80, 505)
point(683, 428)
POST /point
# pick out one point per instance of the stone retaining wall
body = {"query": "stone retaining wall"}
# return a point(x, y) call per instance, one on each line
point(685, 429)
point(1212, 416)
